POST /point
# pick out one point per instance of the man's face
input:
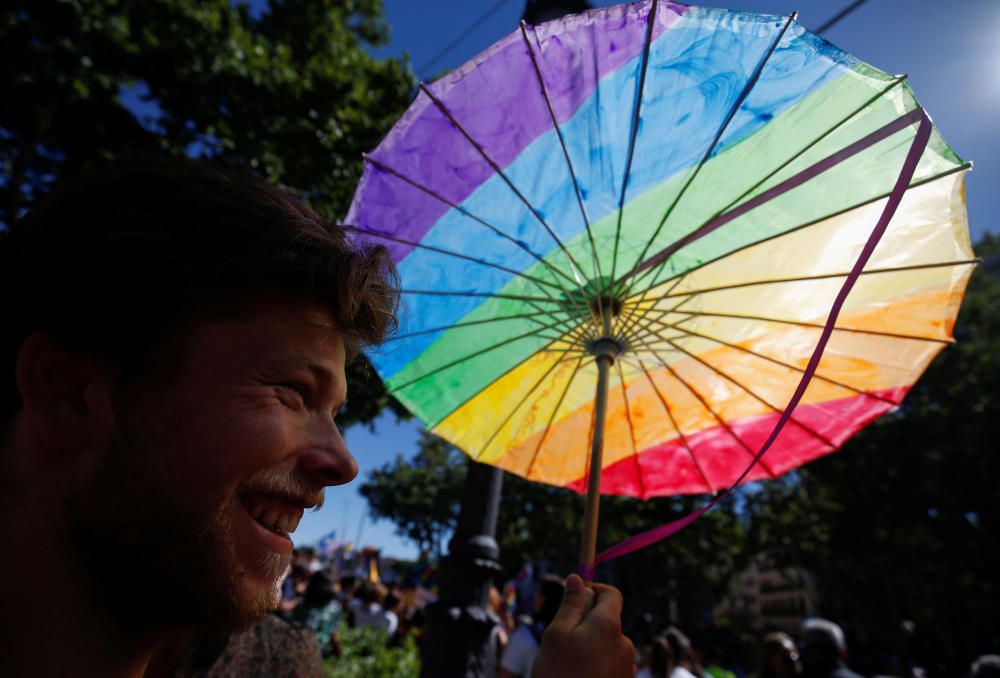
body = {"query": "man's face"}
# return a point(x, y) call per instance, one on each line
point(213, 470)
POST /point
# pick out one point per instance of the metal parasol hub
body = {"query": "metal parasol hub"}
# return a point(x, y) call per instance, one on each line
point(606, 348)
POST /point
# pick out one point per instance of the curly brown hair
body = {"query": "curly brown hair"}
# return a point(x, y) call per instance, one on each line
point(124, 260)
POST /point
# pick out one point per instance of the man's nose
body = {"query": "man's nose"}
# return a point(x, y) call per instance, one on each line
point(328, 460)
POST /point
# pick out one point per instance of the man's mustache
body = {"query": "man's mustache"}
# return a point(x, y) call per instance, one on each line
point(288, 484)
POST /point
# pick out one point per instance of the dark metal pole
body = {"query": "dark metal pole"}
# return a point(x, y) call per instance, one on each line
point(461, 638)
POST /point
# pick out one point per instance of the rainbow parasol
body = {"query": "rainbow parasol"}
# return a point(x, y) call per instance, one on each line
point(739, 237)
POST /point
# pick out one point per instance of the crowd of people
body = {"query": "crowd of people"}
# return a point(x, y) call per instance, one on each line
point(315, 597)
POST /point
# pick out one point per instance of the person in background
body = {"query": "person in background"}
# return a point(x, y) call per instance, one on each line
point(685, 662)
point(320, 612)
point(660, 663)
point(824, 650)
point(523, 643)
point(498, 606)
point(779, 657)
point(292, 589)
point(371, 612)
point(346, 588)
point(986, 666)
point(714, 667)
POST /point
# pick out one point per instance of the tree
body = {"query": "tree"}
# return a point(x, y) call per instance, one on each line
point(422, 494)
point(290, 94)
point(904, 522)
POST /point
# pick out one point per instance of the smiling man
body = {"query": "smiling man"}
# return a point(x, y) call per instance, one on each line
point(175, 340)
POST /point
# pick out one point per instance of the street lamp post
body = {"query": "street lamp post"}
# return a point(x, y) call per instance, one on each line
point(461, 638)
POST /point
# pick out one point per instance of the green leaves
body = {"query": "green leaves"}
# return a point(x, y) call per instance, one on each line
point(291, 94)
point(420, 494)
point(364, 654)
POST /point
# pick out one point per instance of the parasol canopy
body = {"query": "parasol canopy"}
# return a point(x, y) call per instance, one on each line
point(678, 197)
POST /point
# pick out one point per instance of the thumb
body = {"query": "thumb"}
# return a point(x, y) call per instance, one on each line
point(577, 601)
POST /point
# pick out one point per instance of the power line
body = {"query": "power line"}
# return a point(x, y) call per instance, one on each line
point(840, 15)
point(461, 36)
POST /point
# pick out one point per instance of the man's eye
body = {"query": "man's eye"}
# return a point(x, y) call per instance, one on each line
point(301, 390)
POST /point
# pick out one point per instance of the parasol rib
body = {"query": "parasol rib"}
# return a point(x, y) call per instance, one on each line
point(640, 360)
point(716, 416)
point(652, 267)
point(575, 338)
point(554, 269)
point(472, 323)
point(493, 295)
point(899, 124)
point(562, 144)
point(542, 284)
point(633, 135)
point(718, 135)
point(627, 323)
point(680, 434)
point(496, 168)
point(676, 278)
point(494, 381)
point(790, 366)
point(754, 395)
point(782, 321)
point(631, 432)
point(820, 276)
point(551, 314)
point(575, 331)
point(552, 417)
point(517, 406)
point(476, 354)
point(466, 213)
point(802, 323)
point(896, 81)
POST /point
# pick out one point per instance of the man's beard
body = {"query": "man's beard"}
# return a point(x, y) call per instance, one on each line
point(157, 555)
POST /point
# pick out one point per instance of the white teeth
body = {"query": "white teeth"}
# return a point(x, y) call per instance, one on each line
point(274, 519)
point(269, 518)
point(289, 523)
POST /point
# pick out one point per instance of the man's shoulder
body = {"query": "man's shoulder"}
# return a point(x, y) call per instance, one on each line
point(273, 646)
point(275, 628)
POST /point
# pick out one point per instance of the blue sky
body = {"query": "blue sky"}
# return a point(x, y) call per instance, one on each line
point(345, 510)
point(951, 51)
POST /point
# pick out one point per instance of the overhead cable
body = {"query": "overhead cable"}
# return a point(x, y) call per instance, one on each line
point(423, 71)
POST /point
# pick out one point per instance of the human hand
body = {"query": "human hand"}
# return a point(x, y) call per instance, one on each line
point(585, 639)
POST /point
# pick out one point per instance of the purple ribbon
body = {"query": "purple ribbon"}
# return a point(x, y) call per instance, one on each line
point(656, 534)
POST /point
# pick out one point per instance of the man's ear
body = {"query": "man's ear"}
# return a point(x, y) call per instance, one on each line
point(66, 395)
